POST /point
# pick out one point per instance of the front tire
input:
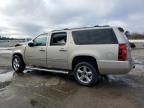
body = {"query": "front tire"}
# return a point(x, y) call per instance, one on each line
point(86, 74)
point(18, 64)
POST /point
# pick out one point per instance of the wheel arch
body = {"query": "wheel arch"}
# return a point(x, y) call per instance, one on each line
point(85, 58)
point(18, 54)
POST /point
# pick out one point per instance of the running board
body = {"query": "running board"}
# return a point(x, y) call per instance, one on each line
point(47, 70)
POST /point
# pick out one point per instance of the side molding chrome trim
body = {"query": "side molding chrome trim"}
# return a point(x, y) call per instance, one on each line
point(47, 70)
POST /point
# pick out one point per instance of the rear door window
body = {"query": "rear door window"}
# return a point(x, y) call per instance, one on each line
point(94, 36)
point(58, 39)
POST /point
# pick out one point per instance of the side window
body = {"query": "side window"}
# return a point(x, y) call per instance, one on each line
point(40, 40)
point(94, 36)
point(58, 38)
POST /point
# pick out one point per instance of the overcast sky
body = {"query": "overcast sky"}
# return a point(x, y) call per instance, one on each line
point(32, 17)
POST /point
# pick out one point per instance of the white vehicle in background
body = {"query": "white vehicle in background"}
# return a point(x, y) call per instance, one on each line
point(87, 52)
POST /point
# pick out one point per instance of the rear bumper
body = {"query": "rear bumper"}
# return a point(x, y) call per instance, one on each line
point(115, 67)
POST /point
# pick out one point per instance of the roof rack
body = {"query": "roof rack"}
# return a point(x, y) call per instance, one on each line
point(101, 26)
point(81, 27)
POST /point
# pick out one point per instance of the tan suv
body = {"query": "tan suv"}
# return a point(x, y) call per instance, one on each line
point(86, 52)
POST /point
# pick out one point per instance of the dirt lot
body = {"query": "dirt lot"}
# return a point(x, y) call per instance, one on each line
point(35, 89)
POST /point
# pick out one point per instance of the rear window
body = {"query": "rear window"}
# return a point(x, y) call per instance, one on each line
point(94, 36)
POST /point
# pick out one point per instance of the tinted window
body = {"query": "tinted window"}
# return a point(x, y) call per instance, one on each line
point(95, 36)
point(59, 38)
point(40, 40)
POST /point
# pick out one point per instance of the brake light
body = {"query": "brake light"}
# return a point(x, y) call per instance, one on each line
point(122, 52)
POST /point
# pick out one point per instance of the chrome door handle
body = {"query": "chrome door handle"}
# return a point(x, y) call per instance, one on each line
point(42, 50)
point(64, 50)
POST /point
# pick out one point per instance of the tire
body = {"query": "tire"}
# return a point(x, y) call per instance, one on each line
point(18, 64)
point(86, 74)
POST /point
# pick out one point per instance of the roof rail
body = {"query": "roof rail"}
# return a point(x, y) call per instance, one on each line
point(66, 29)
point(81, 27)
point(101, 26)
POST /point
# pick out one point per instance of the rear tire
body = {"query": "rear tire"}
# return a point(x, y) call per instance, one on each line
point(86, 74)
point(18, 64)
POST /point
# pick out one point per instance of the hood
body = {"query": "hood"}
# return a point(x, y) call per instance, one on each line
point(20, 44)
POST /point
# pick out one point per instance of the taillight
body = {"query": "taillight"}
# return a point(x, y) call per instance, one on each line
point(122, 52)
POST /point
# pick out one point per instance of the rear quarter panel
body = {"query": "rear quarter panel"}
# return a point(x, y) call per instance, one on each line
point(106, 55)
point(102, 52)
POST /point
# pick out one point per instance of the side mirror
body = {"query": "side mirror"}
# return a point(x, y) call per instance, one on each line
point(30, 44)
point(127, 33)
point(132, 45)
